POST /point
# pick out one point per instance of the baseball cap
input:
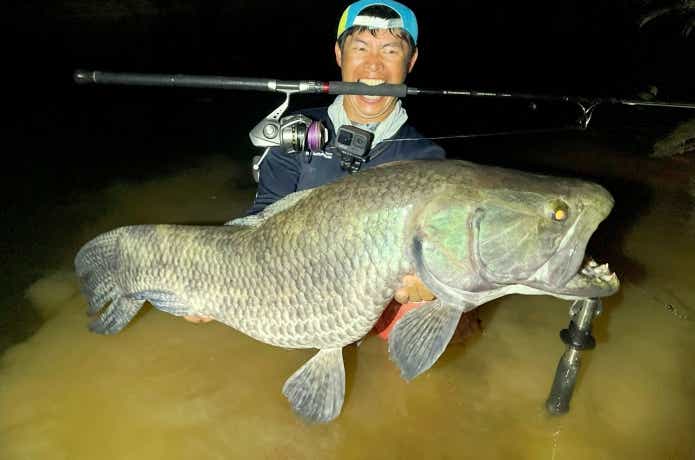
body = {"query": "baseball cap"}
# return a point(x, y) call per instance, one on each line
point(351, 17)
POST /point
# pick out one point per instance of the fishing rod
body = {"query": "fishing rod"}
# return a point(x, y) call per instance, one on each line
point(330, 87)
point(298, 133)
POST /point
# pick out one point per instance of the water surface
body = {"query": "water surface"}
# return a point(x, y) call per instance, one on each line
point(166, 388)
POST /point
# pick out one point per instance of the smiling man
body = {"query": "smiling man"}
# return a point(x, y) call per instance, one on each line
point(376, 43)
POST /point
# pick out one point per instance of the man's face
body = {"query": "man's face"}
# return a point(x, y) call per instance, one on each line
point(373, 60)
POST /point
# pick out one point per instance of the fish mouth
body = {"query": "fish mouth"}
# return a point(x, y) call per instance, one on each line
point(591, 280)
point(571, 275)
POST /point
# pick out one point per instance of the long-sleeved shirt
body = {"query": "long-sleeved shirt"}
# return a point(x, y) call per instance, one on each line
point(281, 173)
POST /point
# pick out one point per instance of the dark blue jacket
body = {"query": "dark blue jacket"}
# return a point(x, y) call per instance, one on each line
point(282, 173)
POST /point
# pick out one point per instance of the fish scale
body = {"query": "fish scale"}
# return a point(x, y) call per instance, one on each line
point(144, 256)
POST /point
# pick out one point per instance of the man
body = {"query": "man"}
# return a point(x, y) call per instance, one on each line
point(376, 43)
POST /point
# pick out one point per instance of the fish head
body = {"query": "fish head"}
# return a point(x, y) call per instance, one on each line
point(534, 232)
point(515, 232)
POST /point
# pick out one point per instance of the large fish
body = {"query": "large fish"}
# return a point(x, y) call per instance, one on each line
point(317, 268)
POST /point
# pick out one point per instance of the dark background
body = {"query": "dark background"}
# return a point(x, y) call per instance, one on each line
point(563, 48)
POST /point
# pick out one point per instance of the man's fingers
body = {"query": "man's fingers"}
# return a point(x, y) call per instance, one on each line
point(410, 280)
point(410, 283)
point(197, 319)
point(423, 292)
point(426, 294)
point(414, 295)
point(417, 291)
point(413, 290)
point(401, 295)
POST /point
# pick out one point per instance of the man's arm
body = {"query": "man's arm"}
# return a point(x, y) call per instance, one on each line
point(278, 177)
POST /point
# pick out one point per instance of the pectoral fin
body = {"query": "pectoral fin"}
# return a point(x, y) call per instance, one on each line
point(316, 391)
point(421, 336)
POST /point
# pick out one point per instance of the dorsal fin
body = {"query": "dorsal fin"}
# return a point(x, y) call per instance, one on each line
point(286, 202)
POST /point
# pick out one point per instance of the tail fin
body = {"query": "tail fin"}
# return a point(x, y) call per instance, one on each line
point(96, 265)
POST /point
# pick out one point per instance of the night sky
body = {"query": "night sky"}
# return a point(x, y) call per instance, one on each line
point(60, 130)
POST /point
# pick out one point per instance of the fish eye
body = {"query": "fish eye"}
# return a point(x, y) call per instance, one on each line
point(559, 211)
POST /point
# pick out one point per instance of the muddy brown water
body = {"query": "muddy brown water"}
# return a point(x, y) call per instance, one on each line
point(165, 388)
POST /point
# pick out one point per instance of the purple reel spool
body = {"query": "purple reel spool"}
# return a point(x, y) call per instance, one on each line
point(315, 137)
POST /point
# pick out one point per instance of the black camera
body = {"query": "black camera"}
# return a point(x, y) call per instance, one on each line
point(353, 145)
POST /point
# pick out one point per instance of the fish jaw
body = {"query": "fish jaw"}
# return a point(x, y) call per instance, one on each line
point(592, 280)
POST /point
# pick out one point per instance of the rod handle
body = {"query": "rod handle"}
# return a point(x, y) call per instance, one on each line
point(84, 77)
point(384, 89)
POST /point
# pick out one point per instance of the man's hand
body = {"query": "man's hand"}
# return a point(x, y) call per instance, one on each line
point(412, 290)
point(197, 319)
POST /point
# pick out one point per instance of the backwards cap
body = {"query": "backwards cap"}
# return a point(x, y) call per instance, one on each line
point(406, 20)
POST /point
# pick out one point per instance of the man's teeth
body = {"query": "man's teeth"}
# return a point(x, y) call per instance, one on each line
point(371, 81)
